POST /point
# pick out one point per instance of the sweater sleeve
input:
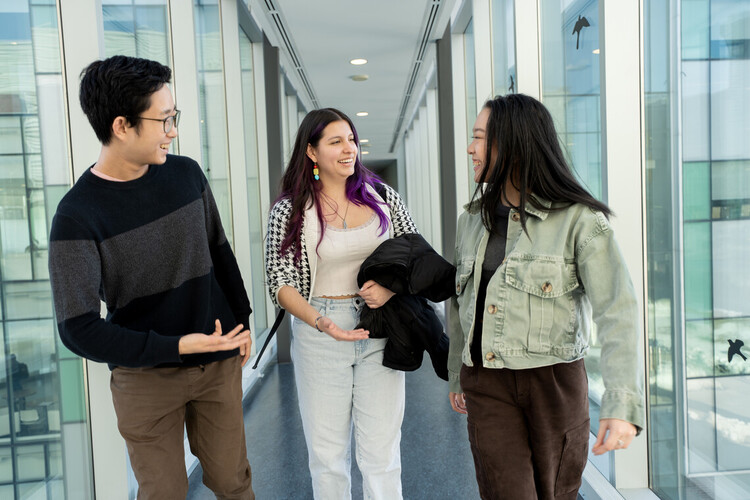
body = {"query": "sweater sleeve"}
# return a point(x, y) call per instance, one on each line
point(76, 279)
point(225, 266)
point(400, 216)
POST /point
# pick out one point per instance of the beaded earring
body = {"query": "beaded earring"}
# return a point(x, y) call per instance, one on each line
point(316, 173)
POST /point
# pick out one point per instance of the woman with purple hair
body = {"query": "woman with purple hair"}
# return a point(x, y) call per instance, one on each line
point(331, 214)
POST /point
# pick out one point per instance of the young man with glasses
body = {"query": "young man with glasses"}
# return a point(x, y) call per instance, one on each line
point(140, 230)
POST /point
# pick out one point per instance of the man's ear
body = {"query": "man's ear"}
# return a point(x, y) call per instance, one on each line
point(311, 153)
point(120, 127)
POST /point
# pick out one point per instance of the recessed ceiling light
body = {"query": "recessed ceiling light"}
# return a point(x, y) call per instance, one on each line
point(358, 62)
point(595, 51)
point(365, 152)
point(363, 113)
point(359, 78)
point(363, 141)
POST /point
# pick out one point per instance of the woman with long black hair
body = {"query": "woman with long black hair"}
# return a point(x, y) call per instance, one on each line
point(537, 263)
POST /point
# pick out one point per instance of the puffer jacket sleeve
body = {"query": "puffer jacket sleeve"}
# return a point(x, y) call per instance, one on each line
point(400, 217)
point(280, 269)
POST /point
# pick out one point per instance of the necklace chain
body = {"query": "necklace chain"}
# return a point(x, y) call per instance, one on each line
point(343, 219)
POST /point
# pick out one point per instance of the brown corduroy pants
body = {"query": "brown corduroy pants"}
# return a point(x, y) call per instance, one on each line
point(154, 405)
point(528, 429)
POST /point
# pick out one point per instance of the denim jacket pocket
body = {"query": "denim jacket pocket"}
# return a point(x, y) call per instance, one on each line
point(540, 299)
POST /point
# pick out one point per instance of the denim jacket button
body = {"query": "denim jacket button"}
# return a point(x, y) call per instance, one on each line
point(515, 216)
point(490, 356)
point(547, 287)
point(492, 309)
point(458, 288)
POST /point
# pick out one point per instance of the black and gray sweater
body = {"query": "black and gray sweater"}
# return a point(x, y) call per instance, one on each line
point(154, 250)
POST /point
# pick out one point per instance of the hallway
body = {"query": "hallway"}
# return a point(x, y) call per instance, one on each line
point(435, 455)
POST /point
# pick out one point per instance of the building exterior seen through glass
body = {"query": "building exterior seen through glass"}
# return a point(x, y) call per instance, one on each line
point(698, 220)
point(45, 450)
point(504, 47)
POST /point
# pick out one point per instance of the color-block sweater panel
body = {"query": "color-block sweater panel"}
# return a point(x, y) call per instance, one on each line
point(154, 251)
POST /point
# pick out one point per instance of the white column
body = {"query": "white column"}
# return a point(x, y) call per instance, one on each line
point(463, 189)
point(622, 129)
point(80, 48)
point(528, 55)
point(482, 50)
point(433, 170)
point(185, 77)
point(236, 145)
point(259, 84)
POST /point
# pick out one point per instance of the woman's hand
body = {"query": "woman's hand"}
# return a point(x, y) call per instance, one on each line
point(621, 433)
point(327, 326)
point(458, 402)
point(375, 295)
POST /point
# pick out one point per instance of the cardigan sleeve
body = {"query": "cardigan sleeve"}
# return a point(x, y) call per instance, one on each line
point(280, 268)
point(400, 216)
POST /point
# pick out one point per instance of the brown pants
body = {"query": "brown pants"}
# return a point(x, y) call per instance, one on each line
point(154, 405)
point(528, 429)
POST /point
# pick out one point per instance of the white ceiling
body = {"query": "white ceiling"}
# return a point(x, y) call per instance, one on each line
point(327, 34)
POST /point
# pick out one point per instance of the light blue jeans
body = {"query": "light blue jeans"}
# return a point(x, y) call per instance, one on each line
point(343, 384)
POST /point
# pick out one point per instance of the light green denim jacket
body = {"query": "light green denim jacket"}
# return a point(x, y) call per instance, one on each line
point(542, 300)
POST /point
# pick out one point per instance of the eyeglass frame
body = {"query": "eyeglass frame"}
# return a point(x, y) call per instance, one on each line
point(175, 118)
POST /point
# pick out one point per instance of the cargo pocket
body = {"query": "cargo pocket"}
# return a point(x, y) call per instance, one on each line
point(573, 459)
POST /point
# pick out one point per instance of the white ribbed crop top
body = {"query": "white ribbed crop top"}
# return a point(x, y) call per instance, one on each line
point(341, 253)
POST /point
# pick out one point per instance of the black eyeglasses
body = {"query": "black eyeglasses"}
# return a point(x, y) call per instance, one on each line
point(168, 122)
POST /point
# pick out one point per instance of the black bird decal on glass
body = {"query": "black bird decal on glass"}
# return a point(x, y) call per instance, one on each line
point(580, 24)
point(734, 348)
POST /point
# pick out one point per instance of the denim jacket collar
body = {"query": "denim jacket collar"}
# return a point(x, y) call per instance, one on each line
point(473, 207)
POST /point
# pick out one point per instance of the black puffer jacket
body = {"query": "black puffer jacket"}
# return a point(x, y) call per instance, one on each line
point(408, 266)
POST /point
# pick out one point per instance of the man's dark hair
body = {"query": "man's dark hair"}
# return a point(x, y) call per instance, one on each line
point(119, 86)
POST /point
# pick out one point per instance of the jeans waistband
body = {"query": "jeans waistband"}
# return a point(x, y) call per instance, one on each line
point(325, 304)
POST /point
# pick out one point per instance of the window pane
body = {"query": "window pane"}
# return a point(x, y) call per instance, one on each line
point(255, 213)
point(700, 348)
point(731, 269)
point(571, 83)
point(209, 56)
point(696, 185)
point(695, 22)
point(34, 174)
point(504, 47)
point(695, 111)
point(698, 216)
point(730, 108)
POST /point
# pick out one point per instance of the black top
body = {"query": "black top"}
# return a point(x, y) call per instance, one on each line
point(153, 249)
point(493, 258)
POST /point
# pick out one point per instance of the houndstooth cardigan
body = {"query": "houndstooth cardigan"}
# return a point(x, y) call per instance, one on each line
point(281, 270)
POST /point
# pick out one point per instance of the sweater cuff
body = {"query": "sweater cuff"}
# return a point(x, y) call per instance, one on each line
point(166, 349)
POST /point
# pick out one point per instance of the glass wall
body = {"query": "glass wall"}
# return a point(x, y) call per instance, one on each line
point(44, 445)
point(504, 47)
point(571, 83)
point(137, 28)
point(698, 192)
point(210, 64)
point(255, 212)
